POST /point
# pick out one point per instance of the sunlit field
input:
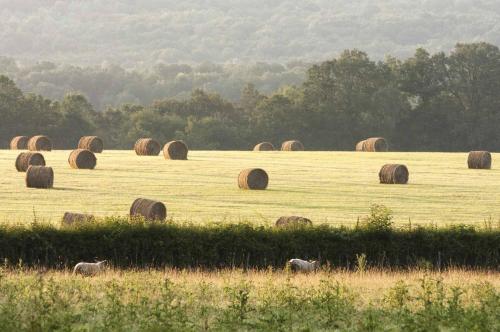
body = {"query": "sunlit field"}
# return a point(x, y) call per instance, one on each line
point(255, 300)
point(327, 187)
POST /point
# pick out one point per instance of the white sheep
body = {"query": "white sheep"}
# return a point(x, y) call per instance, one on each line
point(297, 264)
point(88, 269)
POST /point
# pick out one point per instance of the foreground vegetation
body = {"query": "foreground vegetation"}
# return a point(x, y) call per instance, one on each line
point(335, 188)
point(181, 300)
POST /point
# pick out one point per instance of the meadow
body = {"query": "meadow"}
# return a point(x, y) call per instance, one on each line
point(327, 187)
point(234, 300)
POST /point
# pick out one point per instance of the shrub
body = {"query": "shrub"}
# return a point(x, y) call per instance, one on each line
point(379, 219)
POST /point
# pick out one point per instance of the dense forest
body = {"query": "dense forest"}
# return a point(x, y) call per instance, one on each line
point(113, 85)
point(434, 102)
point(135, 33)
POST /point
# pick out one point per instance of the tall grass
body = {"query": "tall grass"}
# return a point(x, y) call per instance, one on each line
point(230, 300)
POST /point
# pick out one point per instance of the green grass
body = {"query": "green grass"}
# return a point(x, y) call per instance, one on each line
point(328, 187)
point(233, 300)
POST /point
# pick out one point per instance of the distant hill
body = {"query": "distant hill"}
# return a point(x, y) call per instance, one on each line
point(142, 33)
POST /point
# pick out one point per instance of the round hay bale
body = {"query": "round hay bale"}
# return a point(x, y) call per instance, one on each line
point(175, 150)
point(82, 159)
point(393, 174)
point(253, 178)
point(293, 221)
point(27, 159)
point(375, 144)
point(264, 146)
point(479, 160)
point(360, 146)
point(147, 147)
point(39, 177)
point(91, 143)
point(70, 218)
point(39, 143)
point(19, 143)
point(149, 209)
point(293, 145)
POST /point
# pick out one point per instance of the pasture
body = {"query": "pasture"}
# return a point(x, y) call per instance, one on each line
point(327, 187)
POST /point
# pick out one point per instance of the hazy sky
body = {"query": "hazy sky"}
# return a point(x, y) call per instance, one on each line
point(135, 33)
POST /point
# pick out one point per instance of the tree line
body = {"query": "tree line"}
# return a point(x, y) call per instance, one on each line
point(428, 102)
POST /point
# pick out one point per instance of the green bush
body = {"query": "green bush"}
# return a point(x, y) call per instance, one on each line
point(139, 244)
point(380, 218)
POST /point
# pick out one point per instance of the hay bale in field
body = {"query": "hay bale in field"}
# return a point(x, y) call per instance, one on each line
point(91, 143)
point(147, 147)
point(293, 221)
point(293, 145)
point(27, 159)
point(19, 143)
point(253, 178)
point(82, 159)
point(175, 150)
point(360, 146)
point(393, 174)
point(39, 177)
point(149, 209)
point(39, 143)
point(264, 146)
point(375, 144)
point(479, 160)
point(70, 218)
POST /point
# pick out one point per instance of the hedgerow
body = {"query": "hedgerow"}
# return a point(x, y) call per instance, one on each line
point(141, 244)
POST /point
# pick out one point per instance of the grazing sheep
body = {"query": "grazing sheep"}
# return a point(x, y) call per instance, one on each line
point(88, 269)
point(297, 264)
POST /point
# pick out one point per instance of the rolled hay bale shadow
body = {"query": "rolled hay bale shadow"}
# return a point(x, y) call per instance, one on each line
point(253, 179)
point(19, 143)
point(479, 160)
point(71, 218)
point(293, 221)
point(360, 146)
point(264, 146)
point(39, 143)
point(148, 209)
point(147, 147)
point(27, 159)
point(175, 150)
point(292, 145)
point(393, 174)
point(91, 143)
point(39, 177)
point(82, 159)
point(375, 144)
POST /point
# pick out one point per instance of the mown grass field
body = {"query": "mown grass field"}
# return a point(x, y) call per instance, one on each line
point(233, 300)
point(328, 187)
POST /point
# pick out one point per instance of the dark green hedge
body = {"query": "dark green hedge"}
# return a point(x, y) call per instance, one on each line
point(242, 245)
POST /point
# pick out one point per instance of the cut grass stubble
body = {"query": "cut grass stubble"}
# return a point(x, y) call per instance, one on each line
point(326, 187)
